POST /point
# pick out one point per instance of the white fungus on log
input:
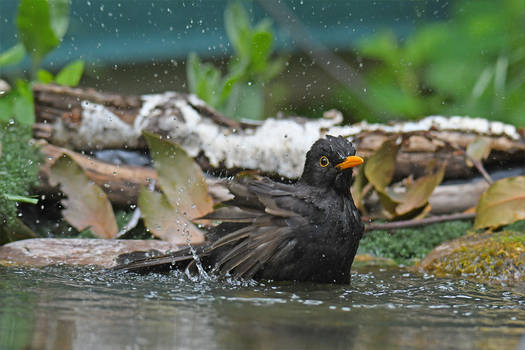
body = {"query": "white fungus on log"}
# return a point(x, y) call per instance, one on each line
point(275, 145)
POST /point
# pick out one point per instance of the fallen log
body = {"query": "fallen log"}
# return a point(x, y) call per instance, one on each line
point(84, 119)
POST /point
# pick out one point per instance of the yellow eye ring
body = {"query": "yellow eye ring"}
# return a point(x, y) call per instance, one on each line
point(324, 162)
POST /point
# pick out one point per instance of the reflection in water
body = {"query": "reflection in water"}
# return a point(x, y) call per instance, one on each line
point(59, 308)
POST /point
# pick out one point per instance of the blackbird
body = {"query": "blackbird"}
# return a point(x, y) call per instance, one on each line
point(306, 231)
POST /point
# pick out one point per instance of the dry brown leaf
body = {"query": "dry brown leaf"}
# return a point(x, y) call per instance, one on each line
point(502, 204)
point(380, 167)
point(479, 149)
point(163, 220)
point(388, 204)
point(419, 191)
point(422, 213)
point(180, 178)
point(86, 205)
point(357, 189)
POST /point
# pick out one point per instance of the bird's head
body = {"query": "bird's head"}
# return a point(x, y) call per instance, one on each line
point(329, 163)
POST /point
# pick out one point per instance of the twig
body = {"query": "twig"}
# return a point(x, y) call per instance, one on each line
point(415, 223)
point(480, 168)
point(479, 165)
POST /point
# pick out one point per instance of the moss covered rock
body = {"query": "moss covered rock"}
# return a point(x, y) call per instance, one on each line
point(489, 257)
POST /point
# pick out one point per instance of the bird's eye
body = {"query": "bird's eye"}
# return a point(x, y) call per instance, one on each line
point(324, 162)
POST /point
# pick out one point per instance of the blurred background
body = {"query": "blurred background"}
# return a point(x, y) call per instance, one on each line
point(373, 60)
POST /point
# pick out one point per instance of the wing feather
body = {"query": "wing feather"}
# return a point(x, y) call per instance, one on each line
point(261, 216)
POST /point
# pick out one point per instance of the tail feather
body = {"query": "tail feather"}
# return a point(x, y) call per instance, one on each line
point(162, 263)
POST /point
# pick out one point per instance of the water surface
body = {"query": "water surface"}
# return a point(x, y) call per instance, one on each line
point(65, 308)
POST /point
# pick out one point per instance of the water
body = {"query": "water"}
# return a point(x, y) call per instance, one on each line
point(64, 308)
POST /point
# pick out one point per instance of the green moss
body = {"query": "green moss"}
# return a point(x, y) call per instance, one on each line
point(518, 227)
point(490, 257)
point(403, 246)
point(19, 161)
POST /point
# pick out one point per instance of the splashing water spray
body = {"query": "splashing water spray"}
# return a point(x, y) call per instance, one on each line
point(196, 259)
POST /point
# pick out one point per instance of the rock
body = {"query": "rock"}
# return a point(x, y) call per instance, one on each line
point(368, 260)
point(490, 257)
point(40, 252)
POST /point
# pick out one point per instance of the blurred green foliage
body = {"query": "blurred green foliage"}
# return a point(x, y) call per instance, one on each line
point(405, 245)
point(41, 26)
point(472, 64)
point(240, 92)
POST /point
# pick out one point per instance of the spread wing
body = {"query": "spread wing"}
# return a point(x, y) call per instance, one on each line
point(259, 222)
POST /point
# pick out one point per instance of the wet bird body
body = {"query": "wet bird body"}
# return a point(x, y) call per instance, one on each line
point(307, 231)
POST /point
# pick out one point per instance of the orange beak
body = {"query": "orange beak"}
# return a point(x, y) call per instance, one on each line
point(350, 162)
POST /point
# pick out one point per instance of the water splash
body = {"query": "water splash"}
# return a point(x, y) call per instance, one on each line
point(196, 259)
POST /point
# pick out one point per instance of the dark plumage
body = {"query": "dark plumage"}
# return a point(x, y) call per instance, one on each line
point(307, 231)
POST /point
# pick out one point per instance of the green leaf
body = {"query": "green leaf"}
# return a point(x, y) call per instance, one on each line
point(238, 28)
point(70, 75)
point(260, 47)
point(246, 101)
point(24, 111)
point(35, 29)
point(24, 89)
point(229, 82)
point(86, 205)
point(425, 44)
point(502, 204)
point(44, 76)
point(394, 100)
point(59, 16)
point(273, 68)
point(204, 80)
point(163, 220)
point(500, 75)
point(454, 77)
point(383, 46)
point(23, 107)
point(7, 106)
point(12, 55)
point(180, 178)
point(380, 167)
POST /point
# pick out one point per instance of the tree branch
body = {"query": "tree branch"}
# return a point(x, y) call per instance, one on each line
point(396, 225)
